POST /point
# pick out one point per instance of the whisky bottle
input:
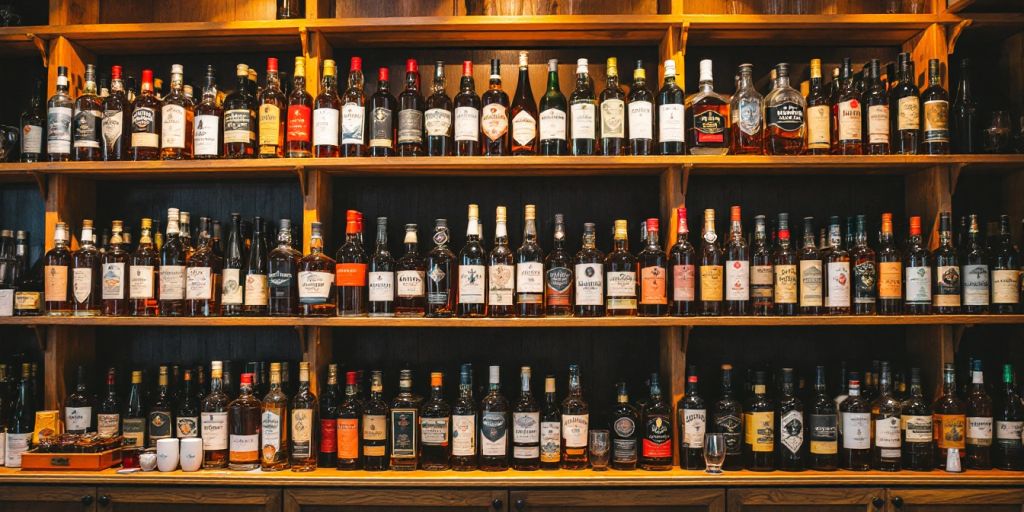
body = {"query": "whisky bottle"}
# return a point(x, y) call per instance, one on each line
point(146, 122)
point(472, 287)
point(272, 103)
point(583, 118)
point(692, 423)
point(551, 428)
point(529, 260)
point(946, 290)
point(410, 113)
point(613, 113)
point(160, 416)
point(847, 113)
point(494, 425)
point(935, 103)
point(707, 116)
point(59, 110)
point(553, 121)
point(133, 421)
point(244, 428)
point(297, 125)
point(410, 292)
point(303, 420)
point(186, 411)
point(232, 277)
point(349, 425)
point(711, 268)
point(784, 264)
point(855, 413)
point(877, 106)
point(974, 271)
point(525, 427)
point(738, 270)
point(353, 112)
point(837, 272)
point(108, 411)
point(404, 425)
point(784, 117)
point(886, 452)
point(759, 428)
point(350, 269)
point(273, 425)
point(202, 276)
point(33, 123)
point(78, 417)
point(790, 426)
point(950, 420)
point(890, 271)
point(523, 113)
point(207, 119)
point(625, 419)
point(142, 276)
point(918, 272)
point(979, 421)
point(670, 117)
point(85, 275)
point(964, 129)
point(56, 264)
point(905, 106)
point(575, 424)
point(819, 115)
point(172, 269)
point(381, 275)
point(501, 284)
point(652, 263)
point(435, 428)
point(810, 272)
point(823, 450)
point(620, 275)
point(374, 438)
point(437, 119)
point(656, 449)
point(327, 114)
point(589, 276)
point(177, 115)
point(682, 259)
point(440, 265)
point(1007, 451)
point(494, 115)
point(640, 123)
point(558, 275)
point(85, 123)
point(213, 420)
point(467, 114)
point(282, 265)
point(747, 130)
point(865, 271)
point(464, 430)
point(327, 426)
point(21, 425)
point(1004, 260)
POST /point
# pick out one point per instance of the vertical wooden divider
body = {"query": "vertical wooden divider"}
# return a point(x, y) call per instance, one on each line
point(673, 340)
point(317, 208)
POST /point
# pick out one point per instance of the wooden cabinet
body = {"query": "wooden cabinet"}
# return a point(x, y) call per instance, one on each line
point(642, 500)
point(956, 500)
point(136, 498)
point(826, 499)
point(411, 500)
point(47, 498)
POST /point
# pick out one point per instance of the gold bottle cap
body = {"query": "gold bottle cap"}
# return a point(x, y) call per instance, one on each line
point(252, 75)
point(329, 67)
point(300, 66)
point(474, 211)
point(531, 212)
point(147, 223)
point(612, 66)
point(242, 70)
point(621, 229)
point(501, 214)
point(86, 223)
point(163, 376)
point(709, 214)
point(815, 68)
point(549, 384)
point(136, 376)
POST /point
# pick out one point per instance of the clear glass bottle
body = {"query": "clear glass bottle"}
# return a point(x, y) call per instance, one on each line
point(529, 260)
point(298, 122)
point(583, 114)
point(303, 418)
point(670, 119)
point(494, 425)
point(86, 280)
point(59, 109)
point(472, 286)
point(640, 122)
point(467, 114)
point(886, 453)
point(214, 420)
point(707, 117)
point(177, 115)
point(350, 268)
point(784, 117)
point(918, 272)
point(620, 268)
point(847, 114)
point(464, 423)
point(653, 279)
point(819, 114)
point(435, 428)
point(274, 425)
point(737, 268)
point(745, 108)
point(712, 261)
point(85, 124)
point(589, 276)
point(244, 423)
point(410, 273)
point(353, 112)
point(327, 114)
point(864, 266)
point(523, 113)
point(525, 427)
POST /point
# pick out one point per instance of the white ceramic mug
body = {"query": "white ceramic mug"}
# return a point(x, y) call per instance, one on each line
point(191, 453)
point(167, 454)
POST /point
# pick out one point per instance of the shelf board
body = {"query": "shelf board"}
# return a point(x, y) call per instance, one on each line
point(187, 37)
point(808, 30)
point(558, 478)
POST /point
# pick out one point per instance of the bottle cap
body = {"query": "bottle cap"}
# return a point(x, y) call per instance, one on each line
point(670, 68)
point(581, 66)
point(435, 379)
point(531, 212)
point(474, 211)
point(500, 214)
point(495, 68)
point(147, 76)
point(115, 73)
point(524, 59)
point(350, 378)
point(411, 66)
point(356, 64)
point(240, 70)
point(271, 64)
point(382, 74)
point(915, 225)
point(246, 378)
point(652, 225)
point(552, 65)
point(734, 213)
point(467, 68)
point(705, 70)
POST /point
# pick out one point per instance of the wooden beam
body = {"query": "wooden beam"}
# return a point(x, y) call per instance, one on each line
point(74, 12)
point(672, 356)
point(66, 348)
point(673, 195)
point(929, 193)
point(319, 351)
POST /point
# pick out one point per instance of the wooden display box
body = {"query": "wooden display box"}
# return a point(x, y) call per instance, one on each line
point(33, 460)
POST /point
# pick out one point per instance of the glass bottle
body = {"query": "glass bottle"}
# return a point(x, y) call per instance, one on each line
point(847, 114)
point(784, 117)
point(108, 413)
point(558, 275)
point(553, 119)
point(613, 113)
point(950, 420)
point(1004, 260)
point(625, 420)
point(244, 428)
point(327, 114)
point(588, 271)
point(656, 450)
point(213, 420)
point(823, 451)
point(133, 420)
point(381, 275)
point(819, 114)
point(404, 424)
point(707, 116)
point(711, 268)
point(282, 265)
point(239, 118)
point(467, 114)
point(855, 411)
point(374, 438)
point(791, 453)
point(327, 434)
point(885, 417)
point(274, 425)
point(494, 425)
point(85, 124)
point(738, 269)
point(172, 269)
point(974, 271)
point(143, 279)
point(464, 423)
point(186, 411)
point(494, 115)
point(316, 278)
point(692, 423)
point(759, 428)
point(946, 290)
point(257, 283)
point(410, 294)
point(410, 113)
point(298, 124)
point(33, 123)
point(575, 424)
point(745, 109)
point(964, 120)
point(620, 275)
point(472, 285)
point(865, 271)
point(525, 427)
point(551, 428)
point(350, 269)
point(86, 281)
point(784, 265)
point(877, 109)
point(652, 263)
point(918, 272)
point(202, 276)
point(232, 276)
point(59, 110)
point(682, 259)
point(529, 260)
point(641, 114)
point(810, 272)
point(890, 271)
point(1008, 452)
point(302, 420)
point(207, 121)
point(272, 101)
point(437, 119)
point(348, 424)
point(435, 428)
point(440, 265)
point(177, 116)
point(916, 426)
point(78, 415)
point(935, 103)
point(583, 114)
point(837, 272)
point(353, 112)
point(670, 117)
point(523, 113)
point(979, 421)
point(905, 103)
point(56, 265)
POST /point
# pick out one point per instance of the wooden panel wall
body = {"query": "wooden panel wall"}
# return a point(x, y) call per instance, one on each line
point(145, 11)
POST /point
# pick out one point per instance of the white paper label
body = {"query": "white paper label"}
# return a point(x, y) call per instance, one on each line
point(464, 435)
point(78, 419)
point(81, 284)
point(613, 119)
point(524, 128)
point(472, 287)
point(918, 429)
point(589, 284)
point(32, 138)
point(979, 430)
point(172, 282)
point(526, 428)
point(887, 432)
point(838, 284)
point(530, 277)
point(240, 443)
point(172, 134)
point(16, 444)
point(850, 128)
point(271, 430)
point(552, 124)
point(737, 280)
point(583, 120)
point(1010, 431)
point(231, 291)
point(410, 283)
point(467, 124)
point(352, 123)
point(878, 124)
point(214, 426)
point(856, 430)
point(140, 282)
point(108, 424)
point(621, 284)
point(113, 280)
point(206, 135)
point(919, 284)
point(315, 285)
point(381, 286)
point(325, 126)
point(574, 430)
point(198, 283)
point(641, 125)
point(437, 122)
point(257, 288)
point(670, 123)
point(501, 285)
point(694, 426)
point(7, 302)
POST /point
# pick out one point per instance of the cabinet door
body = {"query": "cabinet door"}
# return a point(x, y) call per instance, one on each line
point(804, 499)
point(136, 498)
point(47, 498)
point(956, 500)
point(410, 500)
point(643, 500)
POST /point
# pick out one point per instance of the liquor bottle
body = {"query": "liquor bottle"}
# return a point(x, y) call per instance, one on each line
point(57, 262)
point(160, 416)
point(213, 420)
point(837, 272)
point(85, 124)
point(272, 102)
point(33, 124)
point(146, 122)
point(682, 260)
point(440, 265)
point(232, 278)
point(327, 114)
point(553, 121)
point(613, 113)
point(203, 275)
point(916, 426)
point(434, 428)
point(784, 265)
point(494, 114)
point(759, 428)
point(464, 423)
point(885, 418)
point(919, 272)
point(589, 276)
point(877, 108)
point(58, 120)
point(946, 290)
point(855, 411)
point(950, 420)
point(239, 118)
point(670, 117)
point(656, 434)
point(1003, 261)
point(905, 103)
point(523, 113)
point(186, 411)
point(890, 271)
point(625, 418)
point(584, 116)
point(759, 273)
point(711, 268)
point(350, 269)
point(791, 456)
point(865, 270)
point(707, 116)
point(177, 114)
point(784, 117)
point(21, 425)
point(819, 115)
point(494, 425)
point(823, 450)
point(298, 125)
point(85, 275)
point(810, 272)
point(974, 271)
point(207, 120)
point(374, 438)
point(529, 258)
point(1008, 452)
point(640, 123)
point(282, 265)
point(410, 294)
point(78, 406)
point(745, 108)
point(652, 263)
point(327, 426)
point(964, 115)
point(738, 270)
point(133, 419)
point(575, 424)
point(108, 412)
point(404, 425)
point(472, 285)
point(558, 275)
point(551, 428)
point(410, 113)
point(620, 275)
point(172, 269)
point(525, 427)
point(303, 416)
point(692, 423)
point(979, 421)
point(244, 428)
point(316, 278)
point(437, 119)
point(847, 115)
point(935, 101)
point(381, 275)
point(273, 426)
point(143, 278)
point(348, 425)
point(467, 114)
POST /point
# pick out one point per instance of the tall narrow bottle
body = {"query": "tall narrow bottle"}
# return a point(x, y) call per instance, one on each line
point(916, 428)
point(652, 263)
point(177, 115)
point(640, 122)
point(143, 281)
point(790, 425)
point(494, 425)
point(282, 269)
point(886, 453)
point(437, 119)
point(435, 428)
point(348, 424)
point(298, 125)
point(589, 276)
point(682, 267)
point(847, 112)
point(525, 427)
point(380, 276)
point(620, 275)
point(583, 114)
point(272, 112)
point(441, 274)
point(670, 116)
point(56, 265)
point(692, 424)
point(964, 128)
point(979, 421)
point(213, 420)
point(85, 275)
point(737, 268)
point(905, 104)
point(877, 109)
point(918, 272)
point(410, 113)
point(256, 299)
point(350, 269)
point(464, 423)
point(410, 275)
point(523, 113)
point(203, 275)
point(1008, 449)
point(374, 436)
point(207, 129)
point(810, 272)
point(575, 424)
point(304, 416)
point(935, 103)
point(529, 269)
point(501, 274)
point(759, 427)
point(327, 114)
point(353, 112)
point(244, 423)
point(494, 115)
point(86, 121)
point(558, 275)
point(855, 413)
point(33, 123)
point(613, 113)
point(327, 428)
point(232, 298)
point(553, 120)
point(711, 268)
point(822, 431)
point(274, 425)
point(946, 289)
point(974, 271)
point(472, 286)
point(404, 435)
point(657, 430)
point(380, 118)
point(467, 114)
point(864, 266)
point(890, 271)
point(784, 265)
point(59, 109)
point(239, 117)
point(950, 420)
point(819, 114)
point(78, 417)
point(1003, 261)
point(837, 272)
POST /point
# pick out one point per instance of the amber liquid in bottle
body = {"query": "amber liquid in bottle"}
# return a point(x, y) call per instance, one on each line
point(85, 275)
point(244, 424)
point(303, 418)
point(114, 266)
point(620, 275)
point(575, 424)
point(711, 269)
point(316, 279)
point(410, 275)
point(272, 113)
point(274, 427)
point(298, 123)
point(529, 270)
point(144, 280)
point(177, 117)
point(466, 118)
point(145, 129)
point(214, 419)
point(326, 115)
point(494, 117)
point(653, 277)
point(589, 276)
point(501, 271)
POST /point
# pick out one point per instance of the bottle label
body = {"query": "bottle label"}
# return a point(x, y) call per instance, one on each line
point(791, 430)
point(749, 116)
point(760, 431)
point(271, 432)
point(641, 120)
point(81, 284)
point(56, 283)
point(710, 126)
point(257, 290)
point(909, 117)
point(353, 119)
point(347, 438)
point(1005, 286)
point(936, 121)
point(58, 130)
point(410, 126)
point(731, 425)
point(530, 277)
point(524, 128)
point(856, 430)
point(552, 124)
point(375, 427)
point(683, 283)
point(526, 427)
point(381, 129)
point(559, 287)
point(108, 424)
point(325, 126)
point(14, 446)
point(437, 293)
point(113, 280)
point(917, 429)
point(613, 119)
point(850, 128)
point(381, 286)
point(878, 124)
point(134, 432)
point(947, 286)
point(670, 122)
point(621, 284)
point(32, 138)
point(7, 302)
point(589, 284)
point(1008, 433)
point(214, 426)
point(244, 447)
point(919, 285)
point(950, 431)
point(575, 428)
point(467, 124)
point(280, 280)
point(434, 431)
point(979, 431)
point(785, 284)
point(172, 129)
point(624, 451)
point(464, 435)
point(298, 124)
point(737, 280)
point(584, 120)
point(350, 274)
point(711, 283)
point(302, 433)
point(472, 289)
point(975, 284)
point(236, 126)
point(231, 291)
point(818, 130)
point(657, 440)
point(823, 433)
point(890, 280)
point(493, 121)
point(270, 125)
point(493, 433)
point(694, 426)
point(140, 282)
point(172, 282)
point(87, 128)
point(887, 432)
point(810, 283)
point(438, 122)
point(625, 427)
point(403, 433)
point(328, 435)
point(653, 285)
point(187, 426)
point(410, 283)
point(762, 280)
point(865, 281)
point(787, 116)
point(838, 284)
point(551, 441)
point(206, 135)
point(79, 419)
point(160, 426)
point(198, 283)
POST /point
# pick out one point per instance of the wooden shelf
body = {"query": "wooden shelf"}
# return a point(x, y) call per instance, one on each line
point(808, 30)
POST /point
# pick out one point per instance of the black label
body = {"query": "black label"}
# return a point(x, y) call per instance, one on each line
point(144, 120)
point(559, 279)
point(732, 427)
point(788, 116)
point(710, 126)
point(624, 450)
point(86, 125)
point(865, 277)
point(822, 427)
point(280, 284)
point(160, 425)
point(380, 125)
point(659, 429)
point(237, 121)
point(493, 426)
point(403, 432)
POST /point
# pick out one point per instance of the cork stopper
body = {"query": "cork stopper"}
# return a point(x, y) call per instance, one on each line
point(531, 212)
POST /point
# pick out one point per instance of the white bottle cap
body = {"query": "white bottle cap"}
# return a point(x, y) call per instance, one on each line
point(581, 66)
point(552, 64)
point(705, 70)
point(670, 67)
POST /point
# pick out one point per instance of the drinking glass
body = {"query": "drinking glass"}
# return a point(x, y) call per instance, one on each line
point(600, 449)
point(997, 135)
point(714, 453)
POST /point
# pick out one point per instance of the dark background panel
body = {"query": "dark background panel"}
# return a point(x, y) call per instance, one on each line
point(21, 207)
point(19, 86)
point(995, 345)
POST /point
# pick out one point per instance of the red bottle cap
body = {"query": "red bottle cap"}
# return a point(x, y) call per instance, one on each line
point(351, 221)
point(271, 64)
point(783, 234)
point(411, 66)
point(652, 225)
point(681, 226)
point(115, 73)
point(915, 225)
point(246, 378)
point(734, 213)
point(382, 74)
point(350, 378)
point(692, 379)
point(467, 68)
point(356, 64)
point(147, 76)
